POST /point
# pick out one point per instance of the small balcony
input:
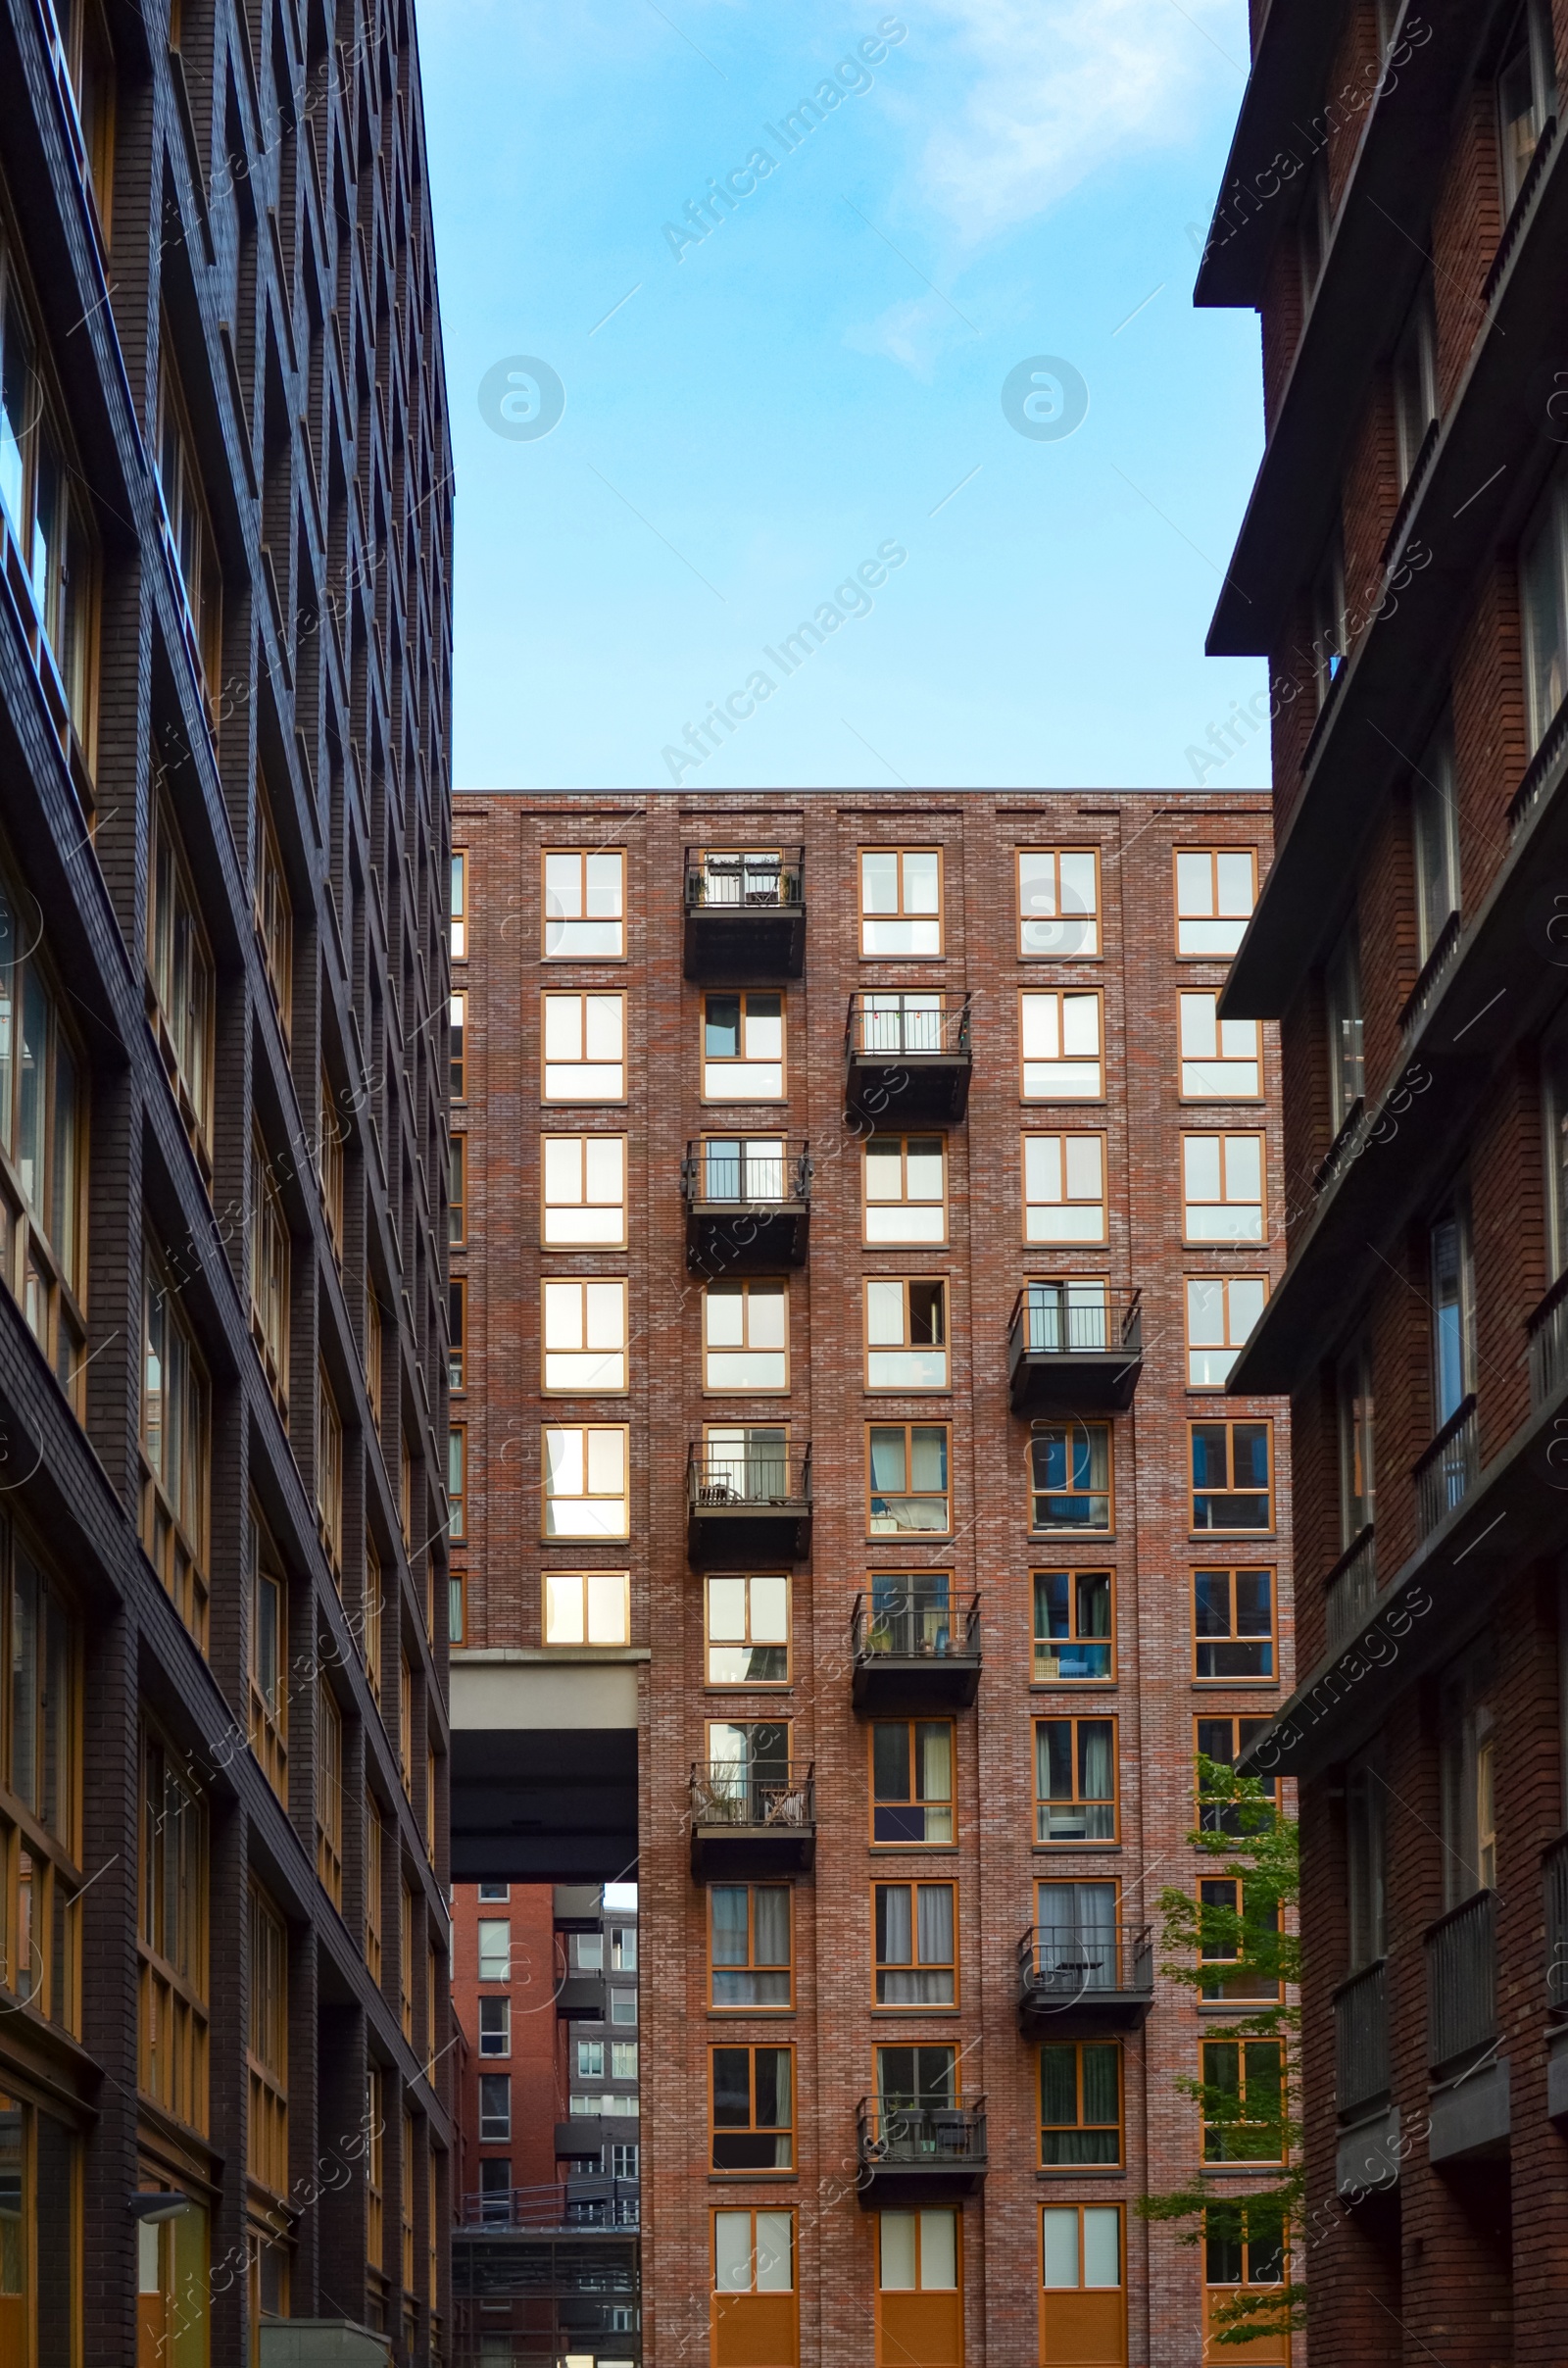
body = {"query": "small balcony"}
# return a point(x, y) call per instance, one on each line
point(747, 1203)
point(580, 1998)
point(1547, 1331)
point(580, 2140)
point(1361, 2042)
point(745, 913)
point(749, 1509)
point(578, 1907)
point(1352, 1589)
point(907, 1057)
point(1462, 1982)
point(1074, 1347)
point(912, 1653)
point(920, 2152)
point(598, 2202)
point(1080, 1981)
point(1555, 1886)
point(751, 1821)
point(1448, 1470)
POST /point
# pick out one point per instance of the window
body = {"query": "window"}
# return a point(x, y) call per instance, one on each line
point(746, 1336)
point(1231, 1475)
point(1059, 902)
point(495, 1949)
point(1075, 1780)
point(1078, 1933)
point(587, 1607)
point(1061, 1045)
point(1342, 1001)
point(175, 1438)
point(267, 2047)
point(913, 1616)
point(1468, 1739)
point(906, 1334)
point(1229, 1924)
point(405, 1960)
point(1074, 1627)
point(43, 1151)
point(1244, 2251)
point(1366, 1809)
point(329, 1475)
point(458, 1054)
point(584, 1179)
point(1061, 1316)
point(905, 1189)
point(495, 2107)
point(590, 2059)
point(456, 1336)
point(916, 2080)
point(1224, 1741)
point(623, 2060)
point(1069, 1471)
point(916, 1944)
point(375, 2164)
point(458, 1191)
point(754, 2108)
point(901, 901)
point(1527, 86)
point(1248, 2076)
point(457, 907)
point(1414, 378)
point(1355, 1407)
point(190, 534)
point(89, 61)
point(1080, 2102)
point(495, 2027)
point(1544, 598)
point(457, 1489)
point(180, 980)
point(371, 1639)
point(625, 2161)
point(330, 1794)
point(1064, 1188)
point(40, 1719)
point(1222, 1188)
point(273, 911)
point(331, 1135)
point(1083, 2308)
point(585, 905)
point(749, 1945)
point(754, 2312)
point(919, 2299)
point(406, 1724)
point(584, 1048)
point(585, 1481)
point(1329, 620)
point(270, 1269)
point(268, 1653)
point(1216, 888)
point(623, 2005)
point(1221, 1312)
point(912, 1781)
point(584, 1337)
point(1453, 1312)
point(1233, 1626)
point(173, 2282)
point(1434, 822)
point(492, 1891)
point(743, 1047)
point(375, 1859)
point(748, 1622)
point(907, 1479)
point(172, 1938)
point(743, 875)
point(1222, 1059)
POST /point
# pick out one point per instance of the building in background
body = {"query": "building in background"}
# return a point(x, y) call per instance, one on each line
point(1404, 565)
point(224, 665)
point(856, 1211)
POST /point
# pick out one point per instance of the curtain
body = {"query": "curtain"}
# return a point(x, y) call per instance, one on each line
point(729, 1923)
point(1096, 1779)
point(771, 1925)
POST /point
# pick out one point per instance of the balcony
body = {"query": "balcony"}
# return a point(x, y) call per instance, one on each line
point(600, 2202)
point(912, 1654)
point(580, 2140)
point(1462, 1982)
point(1547, 1331)
point(1446, 1473)
point(749, 1508)
point(1080, 1981)
point(1073, 1347)
point(578, 1906)
point(1352, 1588)
point(751, 1821)
point(919, 2152)
point(747, 1203)
point(1555, 1883)
point(745, 913)
point(1361, 2042)
point(580, 1998)
point(907, 1057)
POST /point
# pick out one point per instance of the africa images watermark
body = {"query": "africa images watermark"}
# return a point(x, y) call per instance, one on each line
point(852, 78)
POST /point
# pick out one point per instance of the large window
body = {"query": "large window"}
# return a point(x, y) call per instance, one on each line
point(583, 1337)
point(458, 1047)
point(270, 1274)
point(749, 1945)
point(190, 532)
point(89, 61)
point(1216, 888)
point(329, 1475)
point(268, 1653)
point(458, 1191)
point(754, 2309)
point(905, 1189)
point(330, 1792)
point(1233, 1626)
point(272, 911)
point(1222, 1188)
point(911, 1781)
point(1544, 597)
point(754, 2108)
point(916, 1927)
point(919, 2297)
point(1064, 1188)
point(587, 1607)
point(1414, 377)
point(1080, 2102)
point(1232, 1475)
point(908, 1475)
point(495, 1949)
point(1231, 1924)
point(1342, 1004)
point(1454, 1311)
point(43, 1149)
point(180, 979)
point(1221, 1310)
point(585, 1480)
point(748, 1628)
point(1366, 1814)
point(40, 1781)
point(495, 2109)
point(901, 901)
point(1244, 2252)
point(746, 1337)
point(906, 1333)
point(375, 1862)
point(1224, 1741)
point(175, 1441)
point(584, 1048)
point(1074, 1629)
point(743, 1047)
point(1354, 1410)
point(267, 2047)
point(1083, 2302)
point(1059, 902)
point(457, 907)
point(331, 1137)
point(1060, 1038)
point(584, 1192)
point(1070, 1475)
point(585, 904)
point(1075, 1780)
point(456, 1336)
point(172, 1938)
point(1435, 829)
point(1222, 1059)
point(1246, 2122)
point(457, 1496)
point(1527, 94)
point(495, 2030)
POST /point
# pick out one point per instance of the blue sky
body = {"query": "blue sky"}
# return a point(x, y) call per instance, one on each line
point(820, 375)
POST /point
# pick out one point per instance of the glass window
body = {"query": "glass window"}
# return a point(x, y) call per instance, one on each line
point(1527, 86)
point(906, 1333)
point(495, 2027)
point(585, 1481)
point(43, 1164)
point(1222, 1188)
point(584, 1181)
point(585, 904)
point(495, 2107)
point(744, 875)
point(1223, 1740)
point(1221, 1312)
point(1078, 1933)
point(273, 910)
point(1233, 1624)
point(901, 901)
point(623, 2060)
point(190, 533)
point(743, 1047)
point(332, 1135)
point(1075, 1780)
point(905, 1189)
point(1435, 816)
point(495, 1949)
point(908, 1475)
point(457, 1486)
point(1243, 2252)
point(457, 1337)
point(1074, 1627)
point(590, 2059)
point(584, 1048)
point(1064, 1188)
point(1230, 1923)
point(1330, 624)
point(754, 2253)
point(1059, 902)
point(1069, 1469)
point(1357, 1470)
point(1414, 376)
point(747, 1462)
point(1245, 2119)
point(746, 1336)
point(747, 1630)
point(270, 1274)
point(1222, 1059)
point(1216, 888)
point(1061, 1045)
point(1313, 224)
point(754, 2108)
point(330, 1792)
point(587, 1607)
point(1341, 997)
point(1366, 1797)
point(180, 978)
point(749, 1943)
point(917, 2252)
point(1543, 595)
point(1080, 2102)
point(458, 908)
point(916, 1953)
point(89, 61)
point(1453, 1315)
point(584, 1332)
point(1081, 2247)
point(329, 1475)
point(1230, 1483)
point(172, 1938)
point(175, 1441)
point(912, 1781)
point(268, 1653)
point(915, 2080)
point(457, 1039)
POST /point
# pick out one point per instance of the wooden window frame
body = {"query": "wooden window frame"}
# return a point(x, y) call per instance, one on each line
point(375, 2167)
point(458, 1189)
point(183, 1018)
point(1233, 1343)
point(458, 1045)
point(553, 1291)
point(1064, 1136)
point(1073, 1574)
point(769, 1285)
point(1230, 1426)
point(743, 1058)
point(914, 1885)
point(1060, 995)
point(1214, 916)
point(1220, 1992)
point(331, 1165)
point(584, 1644)
point(748, 1685)
point(375, 1826)
point(908, 1493)
point(270, 1251)
point(1078, 1799)
point(457, 1335)
point(1233, 1637)
point(329, 1475)
point(907, 1389)
point(785, 2005)
point(406, 1724)
point(406, 2207)
point(1079, 2126)
point(1051, 2296)
point(582, 1098)
point(765, 2318)
point(374, 1349)
point(371, 1638)
point(457, 1484)
point(1214, 2143)
point(268, 1709)
point(1214, 1816)
point(752, 2129)
point(458, 906)
point(175, 1537)
point(201, 588)
point(929, 2304)
point(584, 1432)
point(1109, 1491)
point(329, 1750)
point(42, 1262)
point(1190, 1092)
point(1219, 2290)
point(1225, 1137)
point(550, 953)
point(406, 1957)
point(174, 2029)
point(901, 913)
point(874, 1801)
point(1094, 919)
point(267, 2045)
point(273, 911)
point(548, 1208)
point(902, 1242)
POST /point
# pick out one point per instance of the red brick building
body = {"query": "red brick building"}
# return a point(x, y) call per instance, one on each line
point(858, 1212)
point(1396, 209)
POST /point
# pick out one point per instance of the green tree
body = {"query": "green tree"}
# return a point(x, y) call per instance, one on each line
point(1230, 1943)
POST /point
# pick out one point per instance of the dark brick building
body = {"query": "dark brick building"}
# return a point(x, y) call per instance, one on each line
point(224, 660)
point(856, 1215)
point(1396, 209)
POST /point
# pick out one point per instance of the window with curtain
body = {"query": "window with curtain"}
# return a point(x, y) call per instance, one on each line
point(1075, 1780)
point(1070, 1475)
point(1077, 1932)
point(917, 1959)
point(909, 1478)
point(1453, 1315)
point(912, 1781)
point(1074, 1627)
point(749, 1943)
point(754, 2108)
point(1080, 2102)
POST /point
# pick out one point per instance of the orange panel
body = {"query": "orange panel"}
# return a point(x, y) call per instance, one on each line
point(1082, 2330)
point(920, 2329)
point(1266, 2351)
point(152, 2329)
point(754, 2331)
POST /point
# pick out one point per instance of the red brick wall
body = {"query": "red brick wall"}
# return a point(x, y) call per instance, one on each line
point(535, 2064)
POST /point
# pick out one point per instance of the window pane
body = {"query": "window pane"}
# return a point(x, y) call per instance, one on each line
point(939, 2252)
point(732, 2252)
point(775, 2252)
point(895, 2253)
point(1060, 2247)
point(1101, 2245)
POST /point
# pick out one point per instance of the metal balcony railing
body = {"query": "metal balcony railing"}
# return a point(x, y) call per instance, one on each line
point(1049, 1320)
point(760, 879)
point(1343, 1148)
point(725, 1794)
point(1361, 2040)
point(1554, 1881)
point(729, 1482)
point(1513, 228)
point(1547, 1330)
point(909, 1627)
point(1432, 972)
point(1352, 1588)
point(895, 2132)
point(1075, 1960)
point(1541, 769)
point(600, 2202)
point(737, 1172)
point(1462, 1980)
point(1446, 1474)
point(916, 1024)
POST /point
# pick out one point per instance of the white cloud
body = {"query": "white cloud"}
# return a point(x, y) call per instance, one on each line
point(915, 333)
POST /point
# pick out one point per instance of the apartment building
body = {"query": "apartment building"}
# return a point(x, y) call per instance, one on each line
point(225, 657)
point(1396, 209)
point(857, 1209)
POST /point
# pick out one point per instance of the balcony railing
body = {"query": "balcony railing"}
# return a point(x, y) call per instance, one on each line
point(1352, 1588)
point(1547, 1330)
point(1074, 1343)
point(1514, 228)
point(1446, 1474)
point(1085, 1976)
point(745, 913)
point(1542, 768)
point(1462, 1980)
point(734, 1174)
point(762, 1477)
point(906, 1627)
point(896, 2134)
point(919, 1025)
point(1432, 972)
point(753, 879)
point(725, 1794)
point(1344, 1147)
point(584, 2203)
point(1554, 1870)
point(1361, 2040)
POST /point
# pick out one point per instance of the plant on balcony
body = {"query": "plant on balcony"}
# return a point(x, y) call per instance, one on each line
point(1243, 1952)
